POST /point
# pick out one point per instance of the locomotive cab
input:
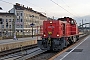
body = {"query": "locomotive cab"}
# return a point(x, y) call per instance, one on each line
point(53, 33)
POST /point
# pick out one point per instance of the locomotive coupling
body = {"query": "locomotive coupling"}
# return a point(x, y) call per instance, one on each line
point(49, 41)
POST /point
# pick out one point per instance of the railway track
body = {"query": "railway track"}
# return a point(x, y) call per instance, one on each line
point(16, 51)
point(31, 54)
point(23, 55)
point(50, 55)
point(44, 56)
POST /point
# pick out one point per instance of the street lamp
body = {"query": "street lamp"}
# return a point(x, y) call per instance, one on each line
point(37, 32)
point(82, 25)
point(32, 24)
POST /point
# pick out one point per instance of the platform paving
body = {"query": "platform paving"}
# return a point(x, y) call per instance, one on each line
point(81, 51)
point(8, 41)
point(11, 44)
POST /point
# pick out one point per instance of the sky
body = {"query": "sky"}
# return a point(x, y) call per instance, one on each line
point(76, 9)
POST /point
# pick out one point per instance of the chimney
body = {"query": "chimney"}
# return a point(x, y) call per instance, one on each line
point(18, 4)
point(30, 8)
point(27, 7)
point(23, 5)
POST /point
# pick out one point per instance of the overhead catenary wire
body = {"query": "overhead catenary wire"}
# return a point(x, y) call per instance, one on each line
point(45, 12)
point(32, 4)
point(42, 8)
point(13, 4)
point(69, 7)
point(6, 2)
point(63, 8)
point(37, 6)
point(28, 2)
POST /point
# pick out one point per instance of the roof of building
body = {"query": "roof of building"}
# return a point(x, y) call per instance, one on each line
point(5, 13)
point(19, 7)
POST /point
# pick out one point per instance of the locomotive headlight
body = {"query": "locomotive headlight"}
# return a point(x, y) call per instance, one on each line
point(57, 34)
point(50, 21)
point(44, 35)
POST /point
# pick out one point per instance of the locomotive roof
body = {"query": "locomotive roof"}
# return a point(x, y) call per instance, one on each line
point(64, 19)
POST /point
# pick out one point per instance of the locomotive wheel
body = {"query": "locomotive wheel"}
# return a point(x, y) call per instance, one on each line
point(77, 37)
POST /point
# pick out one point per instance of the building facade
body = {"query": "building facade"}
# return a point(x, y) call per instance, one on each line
point(7, 24)
point(25, 17)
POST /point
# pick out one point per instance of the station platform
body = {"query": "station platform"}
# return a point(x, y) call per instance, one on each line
point(81, 51)
point(11, 44)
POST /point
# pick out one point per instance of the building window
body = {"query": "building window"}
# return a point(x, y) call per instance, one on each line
point(2, 20)
point(17, 14)
point(21, 31)
point(18, 17)
point(21, 20)
point(9, 26)
point(9, 20)
point(13, 19)
point(21, 26)
point(2, 26)
point(21, 14)
point(17, 30)
point(6, 20)
point(17, 20)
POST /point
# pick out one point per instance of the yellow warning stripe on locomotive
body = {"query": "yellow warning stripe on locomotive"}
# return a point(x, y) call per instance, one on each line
point(49, 32)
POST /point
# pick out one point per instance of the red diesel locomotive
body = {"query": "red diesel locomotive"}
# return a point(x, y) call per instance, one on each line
point(57, 34)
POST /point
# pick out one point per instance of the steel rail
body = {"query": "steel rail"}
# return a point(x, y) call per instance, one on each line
point(11, 51)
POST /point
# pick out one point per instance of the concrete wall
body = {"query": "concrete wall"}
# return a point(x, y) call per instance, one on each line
point(4, 47)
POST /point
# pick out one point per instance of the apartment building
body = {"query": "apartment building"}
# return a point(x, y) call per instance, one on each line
point(25, 17)
point(7, 24)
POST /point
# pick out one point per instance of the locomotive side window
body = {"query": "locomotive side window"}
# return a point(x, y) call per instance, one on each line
point(64, 28)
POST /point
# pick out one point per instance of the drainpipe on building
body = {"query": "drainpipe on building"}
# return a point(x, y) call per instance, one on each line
point(14, 26)
point(1, 28)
